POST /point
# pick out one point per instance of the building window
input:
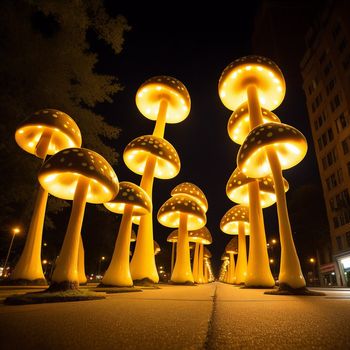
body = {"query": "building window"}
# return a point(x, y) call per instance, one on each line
point(341, 122)
point(330, 134)
point(335, 103)
point(347, 235)
point(340, 177)
point(345, 145)
point(329, 159)
point(319, 141)
point(327, 68)
point(339, 242)
point(330, 86)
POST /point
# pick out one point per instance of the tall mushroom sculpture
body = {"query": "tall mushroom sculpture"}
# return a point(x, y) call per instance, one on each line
point(237, 189)
point(44, 133)
point(184, 212)
point(172, 238)
point(231, 249)
point(201, 237)
point(236, 222)
point(277, 147)
point(83, 176)
point(130, 201)
point(166, 100)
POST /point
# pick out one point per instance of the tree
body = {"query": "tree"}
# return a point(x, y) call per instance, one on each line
point(46, 61)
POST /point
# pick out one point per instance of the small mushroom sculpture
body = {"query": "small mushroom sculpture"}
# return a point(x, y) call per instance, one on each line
point(81, 175)
point(207, 255)
point(236, 222)
point(44, 133)
point(184, 213)
point(157, 249)
point(225, 258)
point(130, 201)
point(166, 100)
point(172, 238)
point(200, 237)
point(231, 249)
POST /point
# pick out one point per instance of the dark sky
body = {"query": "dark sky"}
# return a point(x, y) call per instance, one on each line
point(193, 47)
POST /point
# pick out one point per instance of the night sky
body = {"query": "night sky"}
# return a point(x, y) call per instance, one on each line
point(194, 48)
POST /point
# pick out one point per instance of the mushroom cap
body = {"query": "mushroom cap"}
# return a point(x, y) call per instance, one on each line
point(225, 256)
point(173, 236)
point(232, 246)
point(201, 235)
point(191, 190)
point(207, 253)
point(65, 132)
point(257, 70)
point(169, 213)
point(238, 125)
point(289, 144)
point(238, 192)
point(229, 222)
point(138, 150)
point(156, 248)
point(60, 173)
point(133, 236)
point(159, 88)
point(130, 194)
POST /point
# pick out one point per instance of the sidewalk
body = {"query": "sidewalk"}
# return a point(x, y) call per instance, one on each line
point(214, 316)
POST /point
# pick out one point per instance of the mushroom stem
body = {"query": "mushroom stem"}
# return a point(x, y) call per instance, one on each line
point(290, 270)
point(118, 272)
point(200, 263)
point(255, 117)
point(241, 267)
point(182, 270)
point(66, 270)
point(43, 144)
point(143, 264)
point(172, 256)
point(161, 119)
point(81, 263)
point(29, 265)
point(258, 271)
point(231, 269)
point(195, 262)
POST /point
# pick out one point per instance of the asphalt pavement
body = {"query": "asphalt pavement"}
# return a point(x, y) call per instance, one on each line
point(212, 316)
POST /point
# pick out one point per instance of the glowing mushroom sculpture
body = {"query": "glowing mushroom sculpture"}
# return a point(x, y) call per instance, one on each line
point(277, 147)
point(225, 267)
point(172, 238)
point(236, 222)
point(244, 190)
point(200, 237)
point(231, 249)
point(165, 100)
point(130, 201)
point(185, 213)
point(157, 249)
point(83, 176)
point(207, 266)
point(44, 133)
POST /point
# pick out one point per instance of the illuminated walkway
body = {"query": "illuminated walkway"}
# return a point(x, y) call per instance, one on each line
point(215, 316)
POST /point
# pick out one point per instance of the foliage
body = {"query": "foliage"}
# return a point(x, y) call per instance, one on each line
point(46, 61)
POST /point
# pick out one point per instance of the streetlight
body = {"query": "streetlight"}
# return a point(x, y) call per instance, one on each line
point(99, 265)
point(312, 261)
point(15, 230)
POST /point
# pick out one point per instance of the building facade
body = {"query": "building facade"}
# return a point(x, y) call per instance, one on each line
point(325, 69)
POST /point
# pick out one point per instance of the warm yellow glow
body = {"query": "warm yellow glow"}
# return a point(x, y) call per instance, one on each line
point(44, 262)
point(312, 260)
point(273, 241)
point(16, 230)
point(165, 88)
point(241, 73)
point(272, 261)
